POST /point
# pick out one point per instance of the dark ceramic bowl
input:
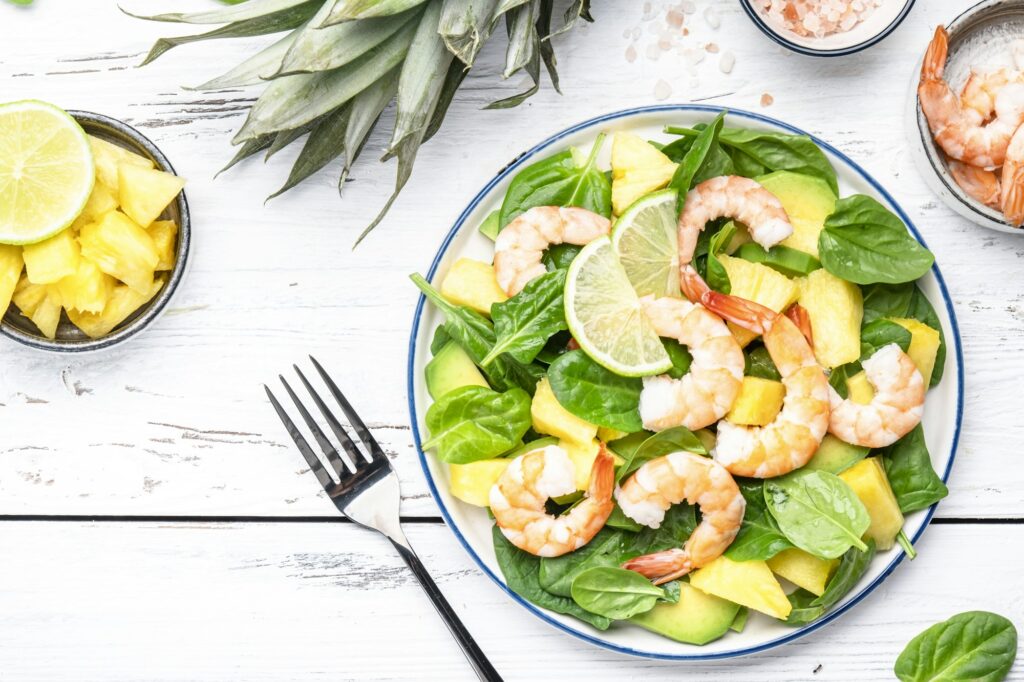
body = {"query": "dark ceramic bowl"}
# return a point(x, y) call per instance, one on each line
point(69, 338)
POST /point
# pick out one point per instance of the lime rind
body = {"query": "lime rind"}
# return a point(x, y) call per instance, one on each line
point(646, 240)
point(604, 314)
point(55, 206)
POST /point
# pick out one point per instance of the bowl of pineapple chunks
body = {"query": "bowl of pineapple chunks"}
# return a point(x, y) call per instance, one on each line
point(111, 272)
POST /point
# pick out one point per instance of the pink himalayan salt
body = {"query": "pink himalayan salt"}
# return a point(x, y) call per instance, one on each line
point(817, 18)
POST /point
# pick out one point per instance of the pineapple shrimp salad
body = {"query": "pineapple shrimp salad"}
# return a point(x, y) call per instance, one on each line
point(689, 388)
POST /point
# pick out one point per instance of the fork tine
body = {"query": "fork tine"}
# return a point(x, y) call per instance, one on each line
point(328, 448)
point(332, 421)
point(353, 418)
point(315, 465)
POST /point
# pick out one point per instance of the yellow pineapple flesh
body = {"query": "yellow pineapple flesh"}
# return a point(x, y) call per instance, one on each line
point(52, 259)
point(121, 249)
point(638, 168)
point(108, 156)
point(144, 193)
point(11, 266)
point(121, 304)
point(88, 289)
point(165, 237)
point(760, 284)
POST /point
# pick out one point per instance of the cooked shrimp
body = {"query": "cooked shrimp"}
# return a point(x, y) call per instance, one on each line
point(668, 480)
point(703, 395)
point(895, 409)
point(1012, 199)
point(960, 131)
point(729, 196)
point(980, 184)
point(517, 501)
point(792, 438)
point(521, 244)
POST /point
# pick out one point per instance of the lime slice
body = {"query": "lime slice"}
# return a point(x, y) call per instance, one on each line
point(647, 241)
point(46, 171)
point(604, 314)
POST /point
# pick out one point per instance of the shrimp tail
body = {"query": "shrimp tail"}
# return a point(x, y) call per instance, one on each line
point(692, 284)
point(602, 476)
point(661, 567)
point(799, 316)
point(934, 64)
point(1013, 197)
point(741, 312)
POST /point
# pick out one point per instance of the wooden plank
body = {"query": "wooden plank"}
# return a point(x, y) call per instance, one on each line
point(176, 422)
point(299, 601)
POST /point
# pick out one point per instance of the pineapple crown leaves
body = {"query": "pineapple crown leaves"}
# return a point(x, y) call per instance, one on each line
point(340, 63)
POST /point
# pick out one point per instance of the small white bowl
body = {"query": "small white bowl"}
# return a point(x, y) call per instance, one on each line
point(986, 29)
point(872, 30)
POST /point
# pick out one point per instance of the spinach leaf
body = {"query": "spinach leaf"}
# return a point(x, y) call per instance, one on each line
point(680, 356)
point(975, 645)
point(908, 467)
point(765, 152)
point(759, 537)
point(473, 423)
point(525, 322)
point(557, 573)
point(529, 445)
point(521, 571)
point(740, 621)
point(440, 339)
point(618, 519)
point(758, 363)
point(555, 346)
point(695, 156)
point(905, 300)
point(662, 443)
point(838, 377)
point(717, 162)
point(818, 512)
point(864, 242)
point(679, 523)
point(594, 393)
point(717, 277)
point(672, 592)
point(560, 256)
point(809, 607)
point(559, 180)
point(875, 335)
point(475, 334)
point(615, 593)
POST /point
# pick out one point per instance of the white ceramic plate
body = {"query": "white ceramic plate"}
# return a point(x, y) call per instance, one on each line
point(472, 526)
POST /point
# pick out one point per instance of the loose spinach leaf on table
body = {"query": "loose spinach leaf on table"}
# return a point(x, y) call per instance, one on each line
point(557, 573)
point(680, 356)
point(559, 180)
point(700, 151)
point(759, 537)
point(880, 333)
point(818, 512)
point(662, 443)
point(475, 334)
point(866, 243)
point(594, 393)
point(521, 571)
point(808, 607)
point(908, 467)
point(615, 593)
point(758, 363)
point(525, 322)
point(975, 645)
point(473, 423)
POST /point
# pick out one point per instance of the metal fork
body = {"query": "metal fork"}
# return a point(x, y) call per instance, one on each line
point(366, 491)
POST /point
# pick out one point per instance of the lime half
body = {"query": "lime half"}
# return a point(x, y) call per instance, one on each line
point(604, 314)
point(647, 241)
point(46, 171)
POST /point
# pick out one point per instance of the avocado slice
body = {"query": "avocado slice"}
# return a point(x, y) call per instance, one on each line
point(697, 618)
point(789, 262)
point(807, 200)
point(451, 368)
point(491, 225)
point(836, 456)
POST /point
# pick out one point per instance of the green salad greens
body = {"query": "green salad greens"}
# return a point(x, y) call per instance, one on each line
point(562, 361)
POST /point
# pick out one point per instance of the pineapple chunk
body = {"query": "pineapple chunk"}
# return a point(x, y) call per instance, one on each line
point(551, 418)
point(583, 456)
point(28, 296)
point(868, 480)
point(53, 259)
point(924, 346)
point(607, 435)
point(121, 249)
point(165, 236)
point(860, 389)
point(836, 309)
point(11, 265)
point(638, 168)
point(40, 303)
point(807, 200)
point(123, 301)
point(101, 201)
point(803, 569)
point(473, 284)
point(472, 482)
point(749, 583)
point(144, 193)
point(760, 284)
point(758, 402)
point(107, 156)
point(88, 289)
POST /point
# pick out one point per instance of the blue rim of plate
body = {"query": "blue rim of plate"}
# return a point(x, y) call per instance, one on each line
point(763, 26)
point(410, 382)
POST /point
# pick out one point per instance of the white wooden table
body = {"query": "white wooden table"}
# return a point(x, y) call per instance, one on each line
point(156, 522)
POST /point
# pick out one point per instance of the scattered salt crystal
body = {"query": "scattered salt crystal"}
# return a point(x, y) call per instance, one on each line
point(674, 18)
point(662, 90)
point(712, 48)
point(631, 54)
point(653, 52)
point(726, 62)
point(688, 7)
point(711, 16)
point(767, 100)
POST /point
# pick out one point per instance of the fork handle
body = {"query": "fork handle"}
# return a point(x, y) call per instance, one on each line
point(483, 668)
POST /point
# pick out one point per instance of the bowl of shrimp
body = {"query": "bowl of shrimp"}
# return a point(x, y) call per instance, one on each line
point(603, 403)
point(968, 114)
